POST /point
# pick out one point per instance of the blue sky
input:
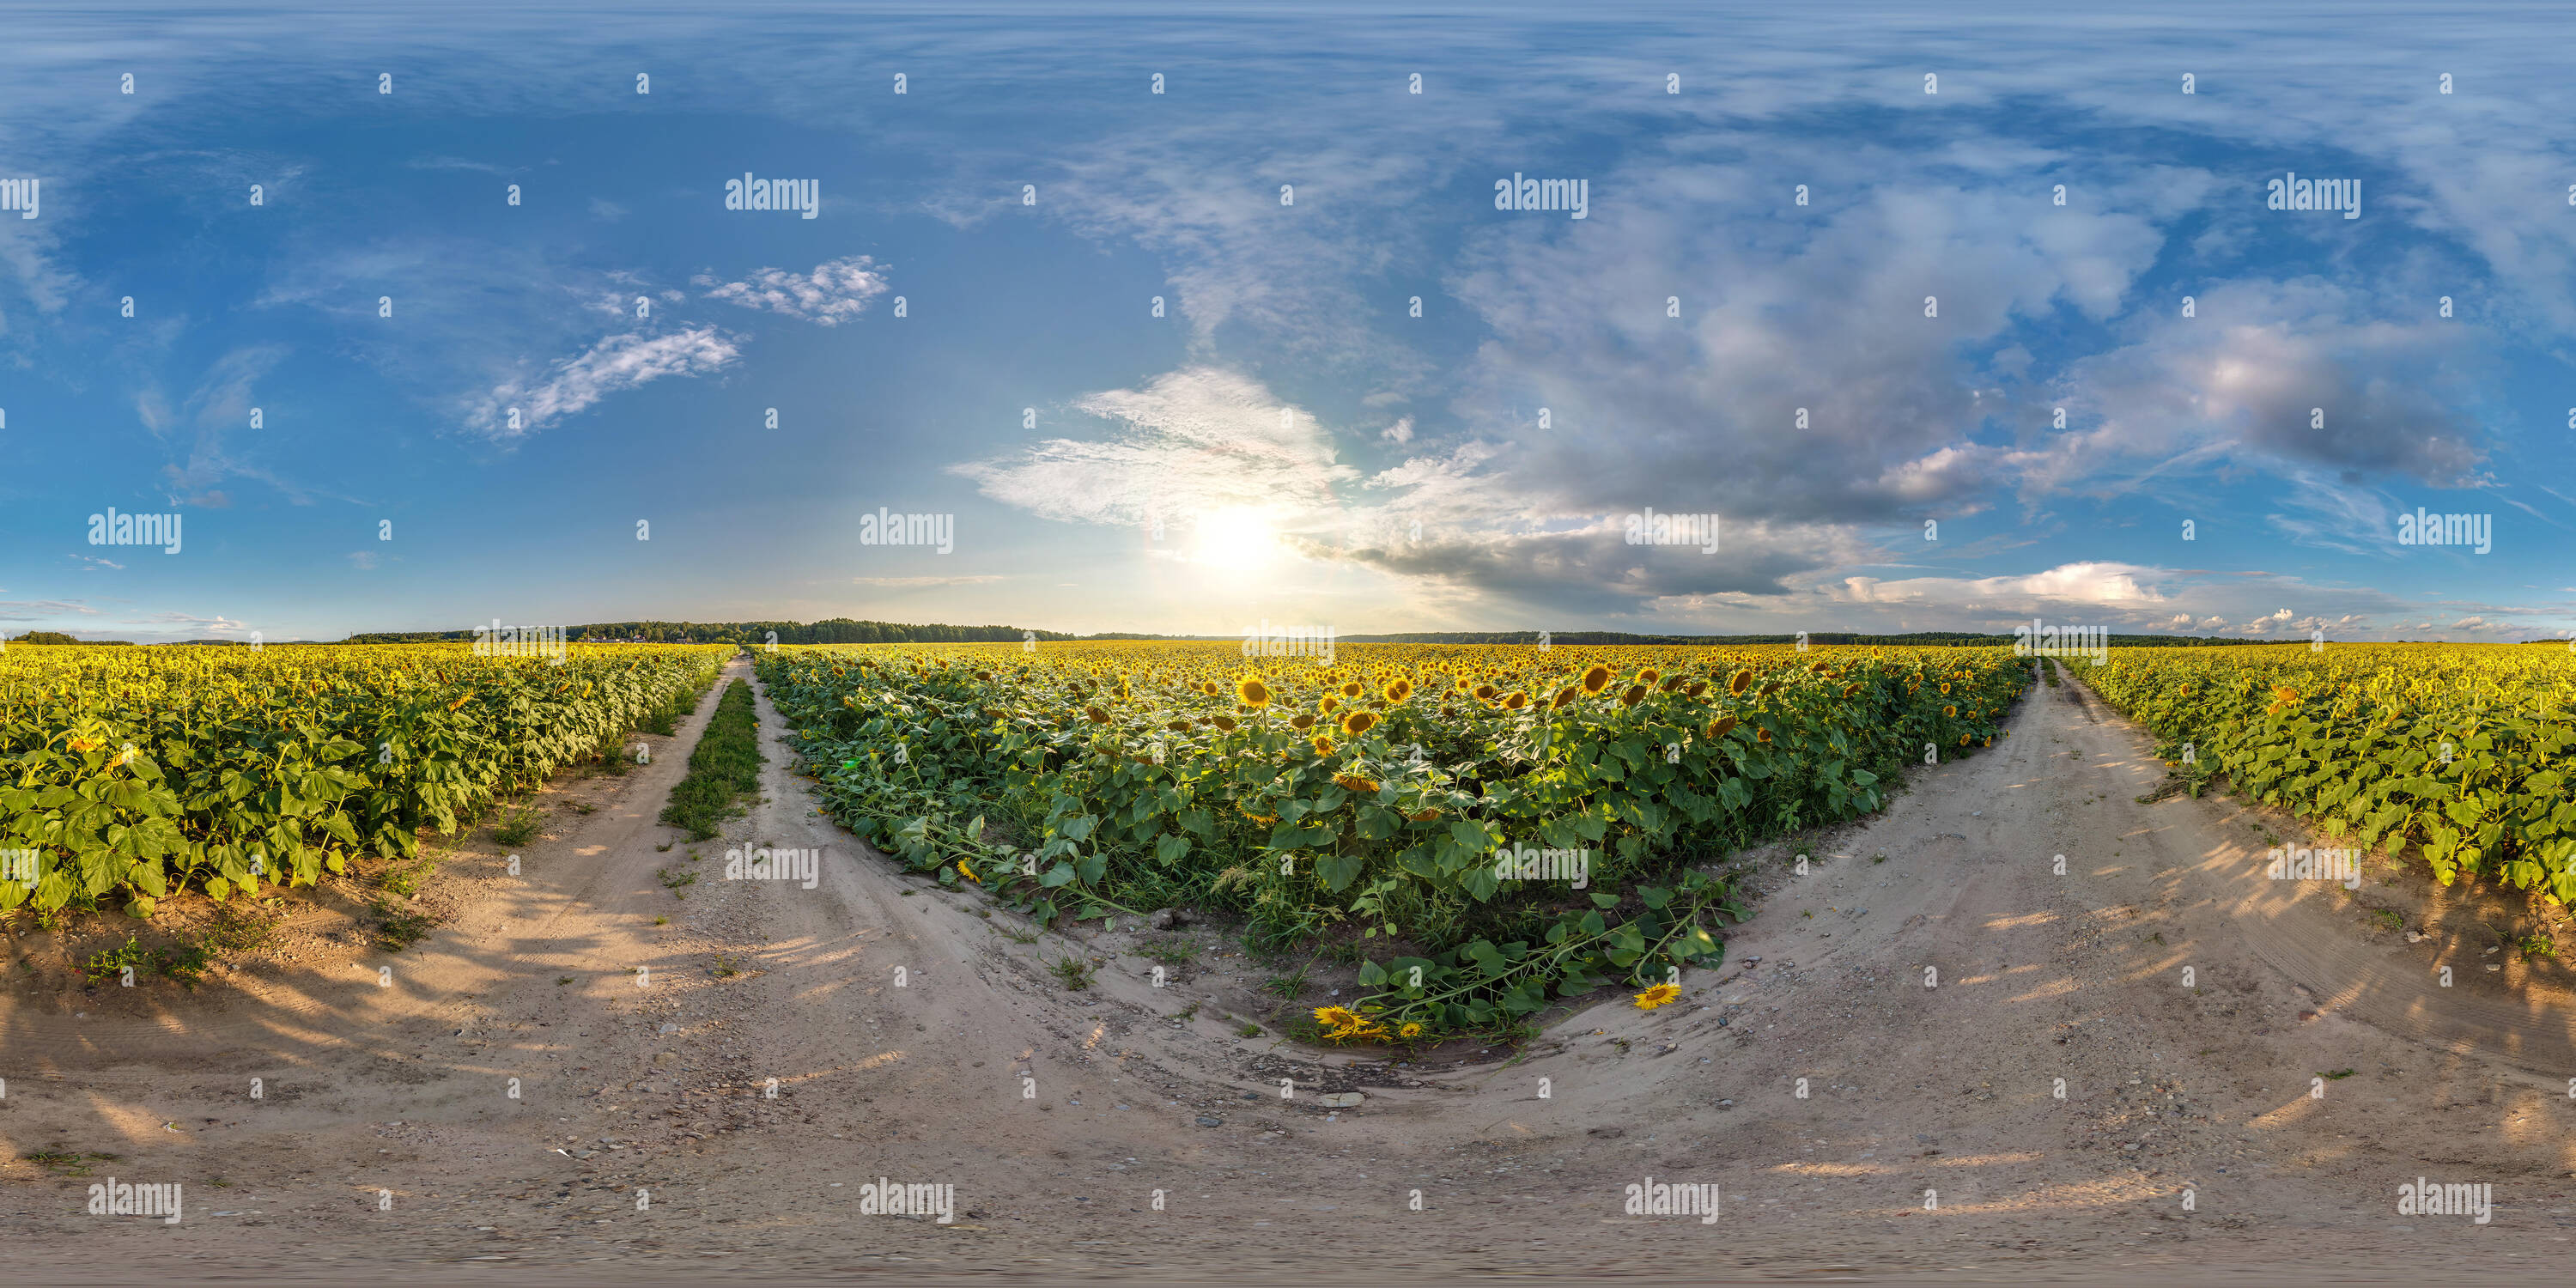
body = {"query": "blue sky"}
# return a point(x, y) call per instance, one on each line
point(1288, 442)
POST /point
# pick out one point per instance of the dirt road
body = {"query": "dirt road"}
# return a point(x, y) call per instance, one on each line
point(571, 1081)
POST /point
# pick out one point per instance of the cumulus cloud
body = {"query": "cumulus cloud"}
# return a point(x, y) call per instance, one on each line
point(836, 291)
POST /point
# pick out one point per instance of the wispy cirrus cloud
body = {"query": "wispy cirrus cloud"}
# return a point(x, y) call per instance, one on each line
point(1192, 442)
point(617, 363)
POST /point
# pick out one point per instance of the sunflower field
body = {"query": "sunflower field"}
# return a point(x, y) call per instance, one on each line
point(1363, 800)
point(2463, 750)
point(143, 770)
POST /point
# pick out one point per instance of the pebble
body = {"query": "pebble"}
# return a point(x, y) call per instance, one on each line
point(1206, 1121)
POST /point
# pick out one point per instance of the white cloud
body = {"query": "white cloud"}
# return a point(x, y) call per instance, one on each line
point(1194, 441)
point(617, 363)
point(834, 292)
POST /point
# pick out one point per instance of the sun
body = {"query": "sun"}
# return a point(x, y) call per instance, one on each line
point(1236, 538)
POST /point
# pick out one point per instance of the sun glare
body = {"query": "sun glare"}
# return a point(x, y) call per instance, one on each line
point(1236, 539)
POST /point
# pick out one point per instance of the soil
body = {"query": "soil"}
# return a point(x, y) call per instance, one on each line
point(571, 1079)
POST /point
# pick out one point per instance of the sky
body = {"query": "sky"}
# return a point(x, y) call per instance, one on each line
point(1187, 319)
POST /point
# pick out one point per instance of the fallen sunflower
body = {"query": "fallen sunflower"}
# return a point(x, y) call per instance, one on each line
point(1657, 996)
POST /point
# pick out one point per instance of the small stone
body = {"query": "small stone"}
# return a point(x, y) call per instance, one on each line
point(2305, 1016)
point(1206, 1120)
point(1160, 919)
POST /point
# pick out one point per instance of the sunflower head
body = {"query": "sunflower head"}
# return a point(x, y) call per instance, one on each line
point(1355, 784)
point(1761, 735)
point(1649, 675)
point(1302, 721)
point(1327, 703)
point(1945, 687)
point(1563, 696)
point(1486, 692)
point(1251, 692)
point(1636, 693)
point(1657, 996)
point(1351, 689)
point(1951, 710)
point(1399, 691)
point(1225, 723)
point(1719, 727)
point(1743, 680)
point(1409, 1031)
point(1323, 745)
point(1515, 700)
point(1359, 722)
point(1596, 679)
point(1851, 688)
point(1697, 687)
point(1337, 1017)
point(1097, 715)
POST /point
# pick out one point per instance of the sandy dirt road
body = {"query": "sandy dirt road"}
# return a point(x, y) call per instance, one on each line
point(1932, 978)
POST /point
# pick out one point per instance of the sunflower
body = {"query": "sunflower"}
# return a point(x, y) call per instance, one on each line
point(1426, 816)
point(1851, 688)
point(1302, 721)
point(1225, 723)
point(1761, 735)
point(1697, 687)
point(1359, 722)
point(1719, 727)
point(1486, 692)
point(1657, 996)
point(1596, 679)
point(1263, 819)
point(1563, 696)
point(85, 744)
point(1251, 692)
point(968, 873)
point(1743, 680)
point(1409, 1031)
point(1323, 745)
point(1963, 740)
point(1649, 675)
point(1951, 710)
point(1945, 688)
point(1355, 783)
point(1327, 703)
point(1351, 690)
point(1337, 1017)
point(1399, 691)
point(1515, 700)
point(1771, 688)
point(1097, 715)
point(1636, 693)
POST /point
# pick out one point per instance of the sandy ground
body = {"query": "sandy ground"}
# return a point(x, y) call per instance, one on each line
point(1127, 1132)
